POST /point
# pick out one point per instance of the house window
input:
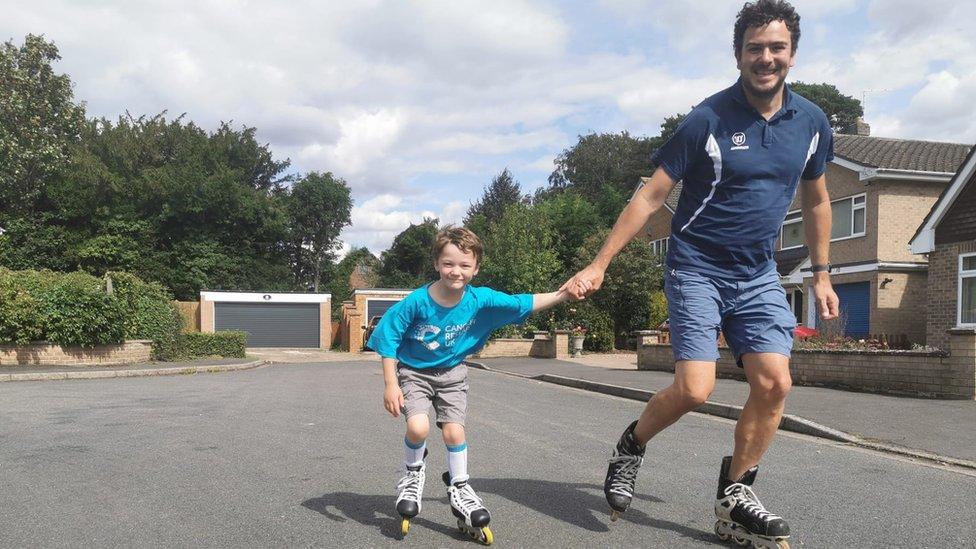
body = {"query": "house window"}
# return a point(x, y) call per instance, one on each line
point(967, 290)
point(848, 222)
point(795, 298)
point(659, 246)
point(792, 236)
point(848, 217)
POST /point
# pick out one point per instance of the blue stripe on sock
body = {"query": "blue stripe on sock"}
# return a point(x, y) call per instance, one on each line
point(459, 448)
point(413, 446)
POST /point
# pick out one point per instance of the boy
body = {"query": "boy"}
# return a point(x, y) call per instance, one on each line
point(423, 340)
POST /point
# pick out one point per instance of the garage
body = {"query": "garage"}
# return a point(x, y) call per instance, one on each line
point(377, 307)
point(855, 304)
point(271, 319)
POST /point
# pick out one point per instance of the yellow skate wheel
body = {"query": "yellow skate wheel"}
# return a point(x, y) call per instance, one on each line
point(783, 544)
point(486, 536)
point(614, 515)
point(404, 526)
point(722, 535)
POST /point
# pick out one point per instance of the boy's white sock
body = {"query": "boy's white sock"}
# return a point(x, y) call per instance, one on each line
point(457, 462)
point(413, 454)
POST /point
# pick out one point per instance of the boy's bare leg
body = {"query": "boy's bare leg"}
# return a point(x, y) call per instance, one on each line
point(769, 383)
point(453, 434)
point(694, 381)
point(418, 426)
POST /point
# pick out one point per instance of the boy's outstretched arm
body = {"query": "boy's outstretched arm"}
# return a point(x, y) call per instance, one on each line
point(393, 395)
point(544, 301)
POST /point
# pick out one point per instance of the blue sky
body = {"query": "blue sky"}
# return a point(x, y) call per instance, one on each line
point(418, 104)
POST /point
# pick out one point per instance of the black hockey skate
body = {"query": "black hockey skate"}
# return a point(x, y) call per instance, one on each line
point(467, 507)
point(742, 517)
point(410, 492)
point(626, 460)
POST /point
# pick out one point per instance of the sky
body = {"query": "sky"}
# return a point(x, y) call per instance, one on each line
point(417, 105)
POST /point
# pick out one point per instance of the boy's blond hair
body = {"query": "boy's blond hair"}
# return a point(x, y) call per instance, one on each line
point(463, 238)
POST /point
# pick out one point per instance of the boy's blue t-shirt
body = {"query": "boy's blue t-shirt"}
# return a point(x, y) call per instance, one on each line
point(420, 333)
point(740, 174)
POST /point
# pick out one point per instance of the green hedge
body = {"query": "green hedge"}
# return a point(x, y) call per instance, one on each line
point(151, 314)
point(226, 344)
point(66, 309)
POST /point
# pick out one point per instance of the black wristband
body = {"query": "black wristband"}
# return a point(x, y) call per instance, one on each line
point(821, 268)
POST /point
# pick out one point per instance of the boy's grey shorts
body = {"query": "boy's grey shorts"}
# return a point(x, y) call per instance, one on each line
point(446, 388)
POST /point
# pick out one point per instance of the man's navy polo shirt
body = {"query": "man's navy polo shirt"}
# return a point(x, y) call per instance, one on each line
point(740, 174)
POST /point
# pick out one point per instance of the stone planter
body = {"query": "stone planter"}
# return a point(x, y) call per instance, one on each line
point(576, 345)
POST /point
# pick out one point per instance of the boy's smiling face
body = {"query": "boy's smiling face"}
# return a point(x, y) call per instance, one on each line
point(456, 267)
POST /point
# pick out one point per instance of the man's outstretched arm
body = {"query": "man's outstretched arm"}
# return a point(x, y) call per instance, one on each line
point(646, 201)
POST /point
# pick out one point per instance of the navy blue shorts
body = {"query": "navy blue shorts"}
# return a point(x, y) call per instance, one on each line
point(754, 315)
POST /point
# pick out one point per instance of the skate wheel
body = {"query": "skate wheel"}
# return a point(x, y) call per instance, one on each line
point(486, 536)
point(783, 544)
point(739, 540)
point(404, 526)
point(614, 515)
point(722, 534)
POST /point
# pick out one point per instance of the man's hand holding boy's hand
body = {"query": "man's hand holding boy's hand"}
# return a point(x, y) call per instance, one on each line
point(584, 282)
point(393, 399)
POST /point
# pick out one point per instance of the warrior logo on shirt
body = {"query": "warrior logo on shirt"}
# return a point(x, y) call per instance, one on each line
point(739, 139)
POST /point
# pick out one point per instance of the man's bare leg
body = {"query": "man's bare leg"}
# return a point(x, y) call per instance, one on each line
point(769, 383)
point(694, 381)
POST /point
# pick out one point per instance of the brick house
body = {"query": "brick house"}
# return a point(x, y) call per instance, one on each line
point(880, 191)
point(948, 237)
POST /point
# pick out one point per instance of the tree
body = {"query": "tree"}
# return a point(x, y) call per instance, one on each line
point(319, 206)
point(409, 263)
point(502, 192)
point(669, 127)
point(572, 218)
point(38, 123)
point(605, 169)
point(628, 286)
point(842, 110)
point(519, 254)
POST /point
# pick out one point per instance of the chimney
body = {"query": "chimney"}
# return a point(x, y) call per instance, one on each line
point(860, 127)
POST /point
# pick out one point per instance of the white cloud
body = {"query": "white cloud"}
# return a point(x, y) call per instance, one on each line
point(396, 95)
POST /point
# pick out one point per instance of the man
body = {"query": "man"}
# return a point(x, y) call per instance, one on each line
point(741, 154)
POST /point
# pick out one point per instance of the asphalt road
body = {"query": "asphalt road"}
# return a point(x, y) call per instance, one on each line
point(304, 455)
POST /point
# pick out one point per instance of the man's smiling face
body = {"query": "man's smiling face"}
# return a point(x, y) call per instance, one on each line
point(765, 60)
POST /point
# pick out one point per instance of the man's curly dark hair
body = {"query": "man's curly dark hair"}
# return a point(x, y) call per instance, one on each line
point(763, 12)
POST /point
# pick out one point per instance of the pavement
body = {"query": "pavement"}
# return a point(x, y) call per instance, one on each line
point(927, 429)
point(937, 430)
point(303, 455)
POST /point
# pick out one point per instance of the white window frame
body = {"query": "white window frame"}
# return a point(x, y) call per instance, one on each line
point(791, 298)
point(854, 207)
point(660, 246)
point(783, 227)
point(962, 276)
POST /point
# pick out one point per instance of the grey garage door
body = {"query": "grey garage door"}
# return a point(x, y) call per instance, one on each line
point(377, 307)
point(271, 324)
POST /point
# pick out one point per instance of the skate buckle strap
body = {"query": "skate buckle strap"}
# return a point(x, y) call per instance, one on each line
point(622, 480)
point(410, 485)
point(750, 503)
point(465, 499)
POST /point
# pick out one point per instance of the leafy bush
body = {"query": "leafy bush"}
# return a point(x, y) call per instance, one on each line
point(151, 314)
point(225, 344)
point(20, 319)
point(659, 309)
point(598, 325)
point(76, 310)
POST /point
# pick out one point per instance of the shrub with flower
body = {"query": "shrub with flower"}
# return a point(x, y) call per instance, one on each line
point(579, 331)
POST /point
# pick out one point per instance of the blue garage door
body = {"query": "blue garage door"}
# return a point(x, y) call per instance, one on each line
point(855, 302)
